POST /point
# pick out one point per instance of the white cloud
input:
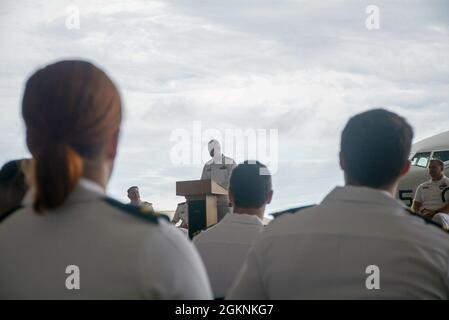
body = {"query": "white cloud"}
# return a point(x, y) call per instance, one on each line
point(302, 67)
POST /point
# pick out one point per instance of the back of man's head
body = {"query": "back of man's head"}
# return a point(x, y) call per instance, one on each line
point(250, 185)
point(375, 146)
point(132, 188)
point(13, 185)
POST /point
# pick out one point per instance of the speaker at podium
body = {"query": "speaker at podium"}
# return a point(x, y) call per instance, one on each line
point(201, 197)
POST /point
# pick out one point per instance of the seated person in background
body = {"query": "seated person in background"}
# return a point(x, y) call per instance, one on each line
point(360, 242)
point(13, 185)
point(429, 198)
point(181, 215)
point(134, 197)
point(225, 245)
point(71, 241)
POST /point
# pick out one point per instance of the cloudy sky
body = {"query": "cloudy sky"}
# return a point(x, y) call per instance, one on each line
point(299, 67)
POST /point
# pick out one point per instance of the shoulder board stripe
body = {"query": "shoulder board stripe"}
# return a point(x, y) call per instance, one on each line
point(135, 211)
point(9, 212)
point(291, 211)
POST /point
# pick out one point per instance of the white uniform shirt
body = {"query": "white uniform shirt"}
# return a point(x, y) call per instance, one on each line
point(119, 255)
point(147, 206)
point(181, 214)
point(219, 171)
point(323, 252)
point(224, 247)
point(430, 193)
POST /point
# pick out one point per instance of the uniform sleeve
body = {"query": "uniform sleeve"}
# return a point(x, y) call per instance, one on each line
point(418, 195)
point(176, 217)
point(248, 284)
point(148, 205)
point(172, 268)
point(205, 174)
point(229, 171)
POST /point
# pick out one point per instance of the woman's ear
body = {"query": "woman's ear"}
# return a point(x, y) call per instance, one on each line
point(111, 148)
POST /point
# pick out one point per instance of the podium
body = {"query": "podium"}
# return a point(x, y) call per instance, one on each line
point(201, 196)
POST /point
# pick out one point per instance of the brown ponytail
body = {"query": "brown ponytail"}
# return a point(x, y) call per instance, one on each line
point(70, 109)
point(57, 169)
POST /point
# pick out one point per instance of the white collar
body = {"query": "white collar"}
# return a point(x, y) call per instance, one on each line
point(218, 160)
point(91, 186)
point(242, 218)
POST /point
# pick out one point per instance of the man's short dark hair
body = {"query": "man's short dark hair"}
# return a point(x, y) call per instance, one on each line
point(439, 162)
point(13, 184)
point(375, 146)
point(133, 187)
point(250, 184)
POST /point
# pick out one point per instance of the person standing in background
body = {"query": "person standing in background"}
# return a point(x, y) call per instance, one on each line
point(134, 197)
point(219, 169)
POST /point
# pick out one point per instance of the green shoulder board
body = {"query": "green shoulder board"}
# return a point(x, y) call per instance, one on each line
point(9, 212)
point(135, 211)
point(290, 211)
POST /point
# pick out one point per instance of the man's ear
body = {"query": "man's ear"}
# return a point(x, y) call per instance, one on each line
point(342, 161)
point(231, 197)
point(269, 196)
point(406, 168)
point(111, 148)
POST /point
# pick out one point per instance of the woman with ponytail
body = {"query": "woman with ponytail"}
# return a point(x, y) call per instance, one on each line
point(69, 240)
